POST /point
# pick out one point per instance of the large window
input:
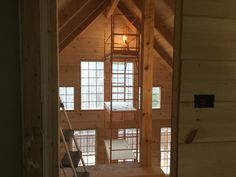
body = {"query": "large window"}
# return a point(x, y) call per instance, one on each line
point(92, 85)
point(131, 135)
point(67, 97)
point(156, 97)
point(86, 140)
point(122, 81)
point(165, 149)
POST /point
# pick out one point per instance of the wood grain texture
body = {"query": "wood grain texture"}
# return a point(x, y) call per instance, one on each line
point(207, 66)
point(40, 88)
point(110, 10)
point(88, 46)
point(224, 9)
point(80, 21)
point(147, 34)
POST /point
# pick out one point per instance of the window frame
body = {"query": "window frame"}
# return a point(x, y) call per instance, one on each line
point(127, 75)
point(103, 87)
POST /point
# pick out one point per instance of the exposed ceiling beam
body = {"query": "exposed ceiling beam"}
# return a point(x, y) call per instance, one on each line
point(110, 10)
point(74, 15)
point(165, 32)
point(165, 56)
point(131, 18)
point(160, 30)
point(68, 8)
point(133, 8)
point(80, 21)
point(158, 48)
point(126, 20)
point(147, 83)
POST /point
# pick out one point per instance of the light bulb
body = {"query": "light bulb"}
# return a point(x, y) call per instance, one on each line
point(125, 39)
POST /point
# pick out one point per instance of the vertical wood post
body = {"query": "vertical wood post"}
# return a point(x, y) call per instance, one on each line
point(147, 82)
point(39, 87)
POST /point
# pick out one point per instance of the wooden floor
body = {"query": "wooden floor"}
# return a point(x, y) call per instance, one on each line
point(120, 170)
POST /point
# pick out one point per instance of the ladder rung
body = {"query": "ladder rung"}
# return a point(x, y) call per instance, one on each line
point(83, 174)
point(75, 156)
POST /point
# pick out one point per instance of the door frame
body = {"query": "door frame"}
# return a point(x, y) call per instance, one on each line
point(39, 82)
point(41, 51)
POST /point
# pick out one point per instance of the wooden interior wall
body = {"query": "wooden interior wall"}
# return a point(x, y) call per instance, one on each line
point(89, 45)
point(208, 66)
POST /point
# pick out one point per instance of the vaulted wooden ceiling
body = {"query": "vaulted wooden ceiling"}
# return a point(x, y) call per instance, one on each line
point(75, 16)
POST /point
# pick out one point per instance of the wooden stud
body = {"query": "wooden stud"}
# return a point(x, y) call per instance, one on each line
point(40, 87)
point(147, 82)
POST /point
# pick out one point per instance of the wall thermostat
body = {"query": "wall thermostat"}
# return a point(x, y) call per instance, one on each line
point(204, 101)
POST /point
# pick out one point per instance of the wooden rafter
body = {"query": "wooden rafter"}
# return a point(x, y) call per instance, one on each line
point(39, 81)
point(133, 8)
point(127, 21)
point(74, 15)
point(165, 32)
point(132, 19)
point(157, 47)
point(110, 10)
point(159, 30)
point(80, 21)
point(165, 56)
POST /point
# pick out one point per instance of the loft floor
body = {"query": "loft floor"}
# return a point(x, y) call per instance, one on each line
point(128, 169)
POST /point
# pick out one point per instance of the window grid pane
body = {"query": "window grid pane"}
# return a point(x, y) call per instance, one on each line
point(156, 98)
point(86, 140)
point(165, 149)
point(122, 81)
point(67, 97)
point(92, 85)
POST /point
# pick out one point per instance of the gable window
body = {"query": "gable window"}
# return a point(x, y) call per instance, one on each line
point(156, 97)
point(67, 97)
point(86, 140)
point(165, 148)
point(122, 81)
point(92, 85)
